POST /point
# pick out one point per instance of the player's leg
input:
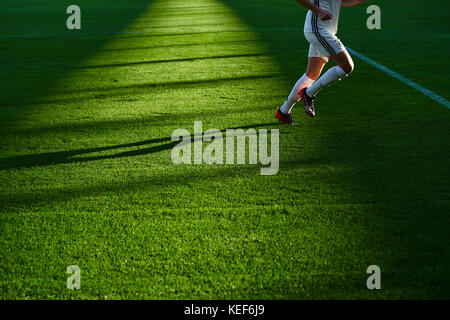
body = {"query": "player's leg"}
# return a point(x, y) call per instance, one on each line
point(344, 67)
point(327, 43)
point(316, 62)
point(315, 67)
point(345, 61)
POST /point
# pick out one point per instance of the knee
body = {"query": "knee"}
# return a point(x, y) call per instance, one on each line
point(348, 67)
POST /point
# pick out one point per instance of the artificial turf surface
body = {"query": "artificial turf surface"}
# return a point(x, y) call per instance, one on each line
point(86, 176)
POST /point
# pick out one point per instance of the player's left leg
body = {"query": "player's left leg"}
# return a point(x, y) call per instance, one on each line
point(315, 67)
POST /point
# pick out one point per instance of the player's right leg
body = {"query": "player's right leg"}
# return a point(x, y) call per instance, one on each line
point(344, 67)
point(345, 61)
point(327, 43)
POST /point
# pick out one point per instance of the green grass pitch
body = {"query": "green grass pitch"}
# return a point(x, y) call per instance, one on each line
point(86, 176)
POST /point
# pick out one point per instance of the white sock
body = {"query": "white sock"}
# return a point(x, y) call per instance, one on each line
point(294, 96)
point(327, 79)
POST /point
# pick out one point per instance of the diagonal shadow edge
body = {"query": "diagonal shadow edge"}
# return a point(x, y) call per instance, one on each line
point(67, 157)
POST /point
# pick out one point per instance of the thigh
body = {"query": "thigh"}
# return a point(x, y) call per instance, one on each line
point(315, 66)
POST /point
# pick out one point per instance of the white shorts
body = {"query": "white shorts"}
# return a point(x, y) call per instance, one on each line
point(323, 44)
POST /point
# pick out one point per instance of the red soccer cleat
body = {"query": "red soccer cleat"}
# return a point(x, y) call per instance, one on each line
point(286, 118)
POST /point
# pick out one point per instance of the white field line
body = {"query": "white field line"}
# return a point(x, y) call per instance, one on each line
point(399, 77)
point(402, 79)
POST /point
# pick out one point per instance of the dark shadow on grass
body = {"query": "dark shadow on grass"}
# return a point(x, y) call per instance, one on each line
point(137, 63)
point(182, 45)
point(179, 34)
point(142, 88)
point(177, 84)
point(76, 156)
point(156, 120)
